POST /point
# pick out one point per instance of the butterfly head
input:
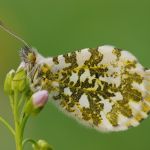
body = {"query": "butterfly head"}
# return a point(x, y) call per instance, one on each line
point(38, 71)
point(28, 55)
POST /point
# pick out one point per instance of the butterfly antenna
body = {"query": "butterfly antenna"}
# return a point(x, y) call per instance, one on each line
point(12, 34)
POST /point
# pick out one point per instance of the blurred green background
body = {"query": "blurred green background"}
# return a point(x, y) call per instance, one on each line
point(59, 26)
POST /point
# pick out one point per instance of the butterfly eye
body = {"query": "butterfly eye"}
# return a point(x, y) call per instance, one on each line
point(31, 57)
point(28, 56)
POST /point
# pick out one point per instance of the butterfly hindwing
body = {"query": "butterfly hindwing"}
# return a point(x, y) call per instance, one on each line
point(102, 87)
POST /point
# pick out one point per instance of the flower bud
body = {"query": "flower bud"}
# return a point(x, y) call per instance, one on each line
point(8, 82)
point(40, 98)
point(41, 145)
point(20, 82)
point(36, 102)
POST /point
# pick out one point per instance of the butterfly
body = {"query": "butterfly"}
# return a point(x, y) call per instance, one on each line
point(105, 88)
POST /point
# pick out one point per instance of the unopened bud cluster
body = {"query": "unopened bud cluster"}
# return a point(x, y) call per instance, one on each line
point(24, 103)
point(17, 82)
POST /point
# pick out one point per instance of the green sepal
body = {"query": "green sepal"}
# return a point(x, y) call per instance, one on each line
point(30, 109)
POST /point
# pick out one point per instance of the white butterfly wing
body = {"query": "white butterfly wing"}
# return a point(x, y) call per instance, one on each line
point(105, 88)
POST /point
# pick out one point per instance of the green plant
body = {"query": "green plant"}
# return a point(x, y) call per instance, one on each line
point(24, 103)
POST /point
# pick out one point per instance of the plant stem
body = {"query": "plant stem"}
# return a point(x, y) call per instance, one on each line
point(18, 137)
point(28, 141)
point(7, 125)
point(23, 123)
point(22, 99)
point(11, 101)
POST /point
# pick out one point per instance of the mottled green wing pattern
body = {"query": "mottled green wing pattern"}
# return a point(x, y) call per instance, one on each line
point(105, 88)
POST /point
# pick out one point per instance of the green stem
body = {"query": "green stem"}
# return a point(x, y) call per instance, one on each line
point(18, 137)
point(7, 125)
point(23, 123)
point(11, 102)
point(23, 97)
point(28, 140)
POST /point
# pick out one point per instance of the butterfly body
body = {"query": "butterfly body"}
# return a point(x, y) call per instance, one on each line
point(105, 87)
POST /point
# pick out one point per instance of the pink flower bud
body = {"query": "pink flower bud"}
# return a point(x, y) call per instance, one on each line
point(40, 98)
